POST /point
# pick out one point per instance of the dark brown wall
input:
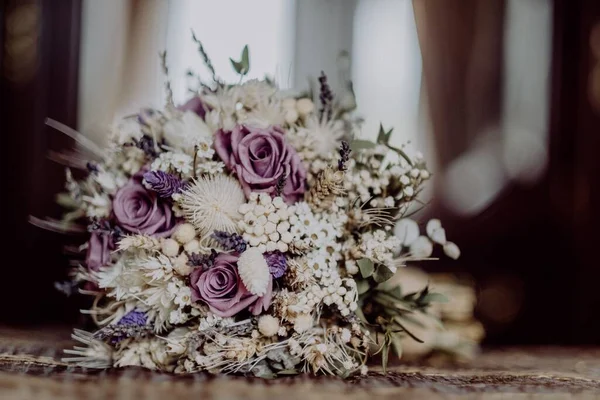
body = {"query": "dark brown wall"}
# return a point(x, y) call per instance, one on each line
point(39, 50)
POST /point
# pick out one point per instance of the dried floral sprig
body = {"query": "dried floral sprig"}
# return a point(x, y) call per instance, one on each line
point(277, 263)
point(165, 68)
point(147, 145)
point(344, 156)
point(163, 183)
point(328, 186)
point(280, 184)
point(202, 260)
point(142, 242)
point(206, 59)
point(133, 324)
point(326, 97)
point(230, 241)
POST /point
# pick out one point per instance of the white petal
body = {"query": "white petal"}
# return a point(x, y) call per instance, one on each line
point(432, 226)
point(254, 271)
point(451, 250)
point(439, 236)
point(407, 231)
point(421, 247)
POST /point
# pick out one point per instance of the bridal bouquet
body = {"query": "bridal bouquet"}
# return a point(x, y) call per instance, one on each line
point(247, 231)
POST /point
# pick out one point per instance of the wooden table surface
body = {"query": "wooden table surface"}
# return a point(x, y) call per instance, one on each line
point(30, 368)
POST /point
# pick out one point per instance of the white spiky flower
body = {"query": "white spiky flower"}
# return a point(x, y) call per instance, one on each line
point(211, 203)
point(254, 271)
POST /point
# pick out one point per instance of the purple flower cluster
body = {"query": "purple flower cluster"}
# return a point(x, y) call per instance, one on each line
point(133, 318)
point(164, 184)
point(230, 241)
point(277, 263)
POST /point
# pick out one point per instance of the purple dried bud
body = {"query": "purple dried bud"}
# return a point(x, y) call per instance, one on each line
point(230, 241)
point(344, 156)
point(326, 97)
point(202, 260)
point(137, 318)
point(164, 184)
point(277, 263)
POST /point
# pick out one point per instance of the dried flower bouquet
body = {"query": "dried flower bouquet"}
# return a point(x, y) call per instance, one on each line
point(247, 232)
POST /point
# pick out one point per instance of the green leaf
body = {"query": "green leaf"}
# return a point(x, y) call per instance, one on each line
point(362, 286)
point(384, 137)
point(435, 297)
point(366, 267)
point(395, 292)
point(360, 144)
point(385, 354)
point(382, 274)
point(246, 59)
point(396, 344)
point(243, 66)
point(288, 372)
point(401, 153)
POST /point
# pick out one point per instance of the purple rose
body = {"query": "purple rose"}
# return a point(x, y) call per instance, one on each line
point(99, 248)
point(139, 210)
point(260, 157)
point(222, 289)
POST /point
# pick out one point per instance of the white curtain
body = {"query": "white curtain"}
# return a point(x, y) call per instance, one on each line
point(119, 65)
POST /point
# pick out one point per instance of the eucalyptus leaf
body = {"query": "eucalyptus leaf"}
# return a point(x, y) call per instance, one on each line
point(366, 267)
point(246, 59)
point(385, 354)
point(288, 372)
point(362, 286)
point(384, 137)
point(382, 274)
point(401, 153)
point(360, 144)
point(396, 344)
point(237, 66)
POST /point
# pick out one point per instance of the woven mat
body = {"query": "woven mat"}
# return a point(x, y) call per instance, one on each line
point(30, 368)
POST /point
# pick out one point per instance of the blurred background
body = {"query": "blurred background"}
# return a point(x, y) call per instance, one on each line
point(502, 97)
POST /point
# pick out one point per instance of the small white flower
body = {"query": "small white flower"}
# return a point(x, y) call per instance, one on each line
point(268, 325)
point(182, 163)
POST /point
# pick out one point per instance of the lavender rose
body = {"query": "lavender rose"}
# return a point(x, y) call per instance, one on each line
point(260, 157)
point(139, 210)
point(221, 288)
point(100, 246)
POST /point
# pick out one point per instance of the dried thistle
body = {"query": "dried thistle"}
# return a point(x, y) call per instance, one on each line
point(141, 242)
point(328, 186)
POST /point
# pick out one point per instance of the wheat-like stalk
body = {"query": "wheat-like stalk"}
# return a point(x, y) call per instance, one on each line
point(328, 186)
point(142, 242)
